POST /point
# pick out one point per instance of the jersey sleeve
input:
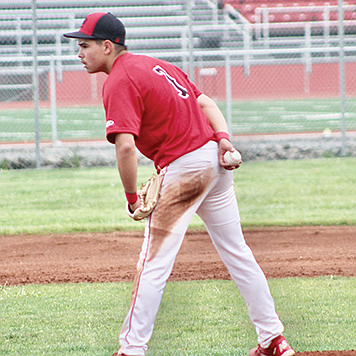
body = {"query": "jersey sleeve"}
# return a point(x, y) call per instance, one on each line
point(123, 107)
point(197, 92)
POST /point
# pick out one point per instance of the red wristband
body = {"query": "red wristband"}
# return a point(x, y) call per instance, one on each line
point(131, 197)
point(221, 134)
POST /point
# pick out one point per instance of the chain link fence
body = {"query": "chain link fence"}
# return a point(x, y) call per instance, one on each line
point(275, 71)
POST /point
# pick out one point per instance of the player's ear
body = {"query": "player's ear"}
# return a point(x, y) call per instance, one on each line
point(108, 46)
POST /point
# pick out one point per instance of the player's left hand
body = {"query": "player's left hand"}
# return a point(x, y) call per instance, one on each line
point(148, 197)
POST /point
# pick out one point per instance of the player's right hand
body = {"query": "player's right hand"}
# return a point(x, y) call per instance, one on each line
point(225, 145)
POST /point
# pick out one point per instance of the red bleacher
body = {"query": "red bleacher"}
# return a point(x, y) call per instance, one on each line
point(298, 13)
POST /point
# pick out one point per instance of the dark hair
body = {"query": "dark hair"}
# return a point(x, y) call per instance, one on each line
point(118, 47)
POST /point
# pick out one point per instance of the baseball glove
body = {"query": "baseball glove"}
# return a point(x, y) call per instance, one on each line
point(149, 194)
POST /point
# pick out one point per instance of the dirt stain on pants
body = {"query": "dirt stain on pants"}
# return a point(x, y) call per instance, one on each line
point(177, 197)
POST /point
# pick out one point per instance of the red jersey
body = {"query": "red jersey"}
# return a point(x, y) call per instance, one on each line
point(156, 102)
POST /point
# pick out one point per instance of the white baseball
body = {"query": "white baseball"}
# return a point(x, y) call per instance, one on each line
point(233, 158)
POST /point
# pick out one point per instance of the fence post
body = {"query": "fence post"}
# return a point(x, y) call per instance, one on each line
point(258, 23)
point(190, 43)
point(215, 12)
point(184, 42)
point(59, 53)
point(19, 37)
point(342, 76)
point(307, 57)
point(228, 91)
point(35, 83)
point(247, 47)
point(326, 23)
point(265, 21)
point(52, 75)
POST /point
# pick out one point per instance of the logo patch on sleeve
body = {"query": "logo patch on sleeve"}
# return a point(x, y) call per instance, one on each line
point(110, 123)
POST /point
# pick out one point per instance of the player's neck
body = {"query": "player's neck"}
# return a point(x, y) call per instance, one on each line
point(117, 55)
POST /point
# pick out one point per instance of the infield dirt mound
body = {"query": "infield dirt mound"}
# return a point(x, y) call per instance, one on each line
point(112, 257)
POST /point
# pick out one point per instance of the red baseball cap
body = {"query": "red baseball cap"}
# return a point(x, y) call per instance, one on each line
point(101, 25)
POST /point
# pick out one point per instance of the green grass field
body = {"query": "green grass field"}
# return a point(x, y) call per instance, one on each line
point(249, 117)
point(195, 318)
point(290, 116)
point(200, 318)
point(304, 192)
point(72, 123)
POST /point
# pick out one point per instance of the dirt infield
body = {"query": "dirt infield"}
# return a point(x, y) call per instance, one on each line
point(112, 257)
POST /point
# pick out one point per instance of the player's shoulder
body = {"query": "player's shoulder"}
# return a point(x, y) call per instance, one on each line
point(144, 61)
point(138, 69)
point(131, 64)
point(134, 58)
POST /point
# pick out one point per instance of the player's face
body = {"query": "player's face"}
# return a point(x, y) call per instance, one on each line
point(92, 55)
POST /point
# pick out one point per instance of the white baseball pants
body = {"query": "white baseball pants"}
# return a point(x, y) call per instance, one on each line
point(195, 183)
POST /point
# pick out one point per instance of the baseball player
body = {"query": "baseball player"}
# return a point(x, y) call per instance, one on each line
point(151, 105)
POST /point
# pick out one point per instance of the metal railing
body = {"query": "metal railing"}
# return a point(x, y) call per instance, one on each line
point(217, 67)
point(55, 65)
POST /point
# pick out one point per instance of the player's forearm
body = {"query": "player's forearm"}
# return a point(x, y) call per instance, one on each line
point(213, 113)
point(126, 157)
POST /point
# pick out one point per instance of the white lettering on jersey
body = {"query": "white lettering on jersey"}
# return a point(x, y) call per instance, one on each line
point(182, 92)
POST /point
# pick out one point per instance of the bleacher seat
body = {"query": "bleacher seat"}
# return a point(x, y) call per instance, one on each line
point(147, 22)
point(300, 13)
point(152, 26)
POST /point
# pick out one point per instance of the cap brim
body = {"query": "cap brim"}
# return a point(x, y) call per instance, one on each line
point(79, 34)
